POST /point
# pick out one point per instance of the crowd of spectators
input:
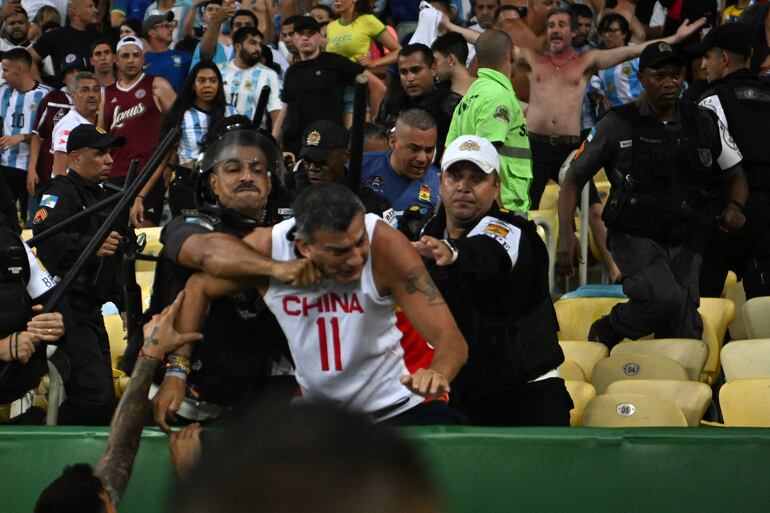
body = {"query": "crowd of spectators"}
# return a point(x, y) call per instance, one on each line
point(516, 84)
point(531, 78)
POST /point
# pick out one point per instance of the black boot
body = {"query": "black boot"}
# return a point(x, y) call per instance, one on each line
point(601, 332)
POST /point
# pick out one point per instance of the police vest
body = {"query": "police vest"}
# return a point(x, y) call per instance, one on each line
point(670, 186)
point(15, 309)
point(746, 104)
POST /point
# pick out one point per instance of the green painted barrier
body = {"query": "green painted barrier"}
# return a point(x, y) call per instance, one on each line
point(476, 469)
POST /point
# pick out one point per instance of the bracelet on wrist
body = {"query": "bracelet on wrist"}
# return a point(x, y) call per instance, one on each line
point(179, 366)
point(175, 372)
point(175, 358)
point(144, 354)
point(453, 249)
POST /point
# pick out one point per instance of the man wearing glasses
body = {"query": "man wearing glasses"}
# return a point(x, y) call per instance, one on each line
point(160, 60)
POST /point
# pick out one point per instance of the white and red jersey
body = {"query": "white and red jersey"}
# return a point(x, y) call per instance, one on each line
point(344, 338)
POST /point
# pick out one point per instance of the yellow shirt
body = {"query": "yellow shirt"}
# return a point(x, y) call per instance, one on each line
point(352, 40)
point(731, 14)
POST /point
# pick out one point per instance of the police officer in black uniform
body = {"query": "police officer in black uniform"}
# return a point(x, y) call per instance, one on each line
point(673, 169)
point(492, 268)
point(323, 156)
point(22, 334)
point(90, 393)
point(742, 102)
point(242, 339)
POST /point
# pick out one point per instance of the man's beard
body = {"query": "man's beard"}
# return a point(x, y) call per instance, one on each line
point(19, 41)
point(250, 59)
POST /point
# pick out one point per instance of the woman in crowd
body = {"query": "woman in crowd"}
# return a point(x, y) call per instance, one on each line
point(619, 84)
point(352, 34)
point(200, 104)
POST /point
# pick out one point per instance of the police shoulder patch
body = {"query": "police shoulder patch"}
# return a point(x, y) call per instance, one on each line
point(502, 113)
point(504, 233)
point(389, 216)
point(40, 216)
point(49, 200)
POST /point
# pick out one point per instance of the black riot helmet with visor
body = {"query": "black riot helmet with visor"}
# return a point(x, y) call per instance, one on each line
point(223, 144)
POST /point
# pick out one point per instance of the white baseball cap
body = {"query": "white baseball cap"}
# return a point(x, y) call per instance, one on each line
point(129, 40)
point(473, 149)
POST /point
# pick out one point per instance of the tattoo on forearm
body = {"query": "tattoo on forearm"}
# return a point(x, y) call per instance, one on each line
point(114, 469)
point(418, 280)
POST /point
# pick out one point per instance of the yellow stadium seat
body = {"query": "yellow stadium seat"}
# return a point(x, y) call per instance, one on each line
point(730, 280)
point(746, 402)
point(550, 197)
point(691, 354)
point(737, 295)
point(691, 397)
point(114, 325)
point(634, 366)
point(631, 410)
point(584, 353)
point(713, 367)
point(120, 382)
point(743, 359)
point(719, 312)
point(756, 317)
point(576, 315)
point(152, 247)
point(580, 392)
point(145, 280)
point(570, 370)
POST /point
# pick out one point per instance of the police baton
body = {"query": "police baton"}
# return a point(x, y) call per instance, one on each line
point(96, 240)
point(264, 95)
point(132, 293)
point(357, 132)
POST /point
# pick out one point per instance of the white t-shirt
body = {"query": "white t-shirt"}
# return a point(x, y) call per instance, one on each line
point(61, 131)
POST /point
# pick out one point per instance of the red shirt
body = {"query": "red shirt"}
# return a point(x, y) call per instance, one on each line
point(132, 113)
point(54, 106)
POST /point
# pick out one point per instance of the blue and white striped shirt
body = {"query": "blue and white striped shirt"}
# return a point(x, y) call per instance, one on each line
point(17, 111)
point(619, 83)
point(243, 87)
point(195, 124)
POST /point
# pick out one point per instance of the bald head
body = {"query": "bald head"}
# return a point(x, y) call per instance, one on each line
point(493, 49)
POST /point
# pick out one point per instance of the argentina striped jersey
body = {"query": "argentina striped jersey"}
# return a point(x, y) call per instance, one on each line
point(18, 110)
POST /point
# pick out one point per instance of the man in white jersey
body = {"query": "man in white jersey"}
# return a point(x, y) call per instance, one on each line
point(19, 98)
point(342, 333)
point(244, 77)
point(86, 93)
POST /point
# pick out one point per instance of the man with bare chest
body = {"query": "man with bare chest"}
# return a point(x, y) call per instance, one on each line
point(558, 78)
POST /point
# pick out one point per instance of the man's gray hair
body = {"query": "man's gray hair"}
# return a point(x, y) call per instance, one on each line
point(328, 206)
point(72, 87)
point(416, 118)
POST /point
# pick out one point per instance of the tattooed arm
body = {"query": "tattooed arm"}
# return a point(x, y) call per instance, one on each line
point(114, 468)
point(399, 271)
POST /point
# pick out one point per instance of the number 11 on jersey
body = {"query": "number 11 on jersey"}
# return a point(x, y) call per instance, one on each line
point(323, 342)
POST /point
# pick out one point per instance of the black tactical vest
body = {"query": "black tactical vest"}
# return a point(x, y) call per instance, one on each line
point(15, 309)
point(670, 186)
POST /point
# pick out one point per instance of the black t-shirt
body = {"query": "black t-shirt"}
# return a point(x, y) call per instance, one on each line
point(313, 90)
point(64, 41)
